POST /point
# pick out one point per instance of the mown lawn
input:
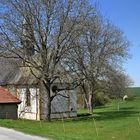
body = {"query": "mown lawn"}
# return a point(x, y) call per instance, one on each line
point(107, 123)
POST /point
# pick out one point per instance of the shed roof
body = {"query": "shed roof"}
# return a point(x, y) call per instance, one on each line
point(7, 97)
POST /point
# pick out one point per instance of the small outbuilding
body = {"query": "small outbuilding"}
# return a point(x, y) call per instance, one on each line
point(8, 105)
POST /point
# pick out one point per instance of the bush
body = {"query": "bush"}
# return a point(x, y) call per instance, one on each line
point(101, 99)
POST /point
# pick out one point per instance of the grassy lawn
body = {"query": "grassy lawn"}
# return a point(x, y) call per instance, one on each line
point(134, 91)
point(107, 123)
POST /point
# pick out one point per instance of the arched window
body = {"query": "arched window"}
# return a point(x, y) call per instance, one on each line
point(28, 97)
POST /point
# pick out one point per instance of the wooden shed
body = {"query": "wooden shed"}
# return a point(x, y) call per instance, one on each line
point(8, 105)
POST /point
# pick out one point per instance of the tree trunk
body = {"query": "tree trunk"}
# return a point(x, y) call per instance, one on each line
point(86, 103)
point(90, 103)
point(45, 107)
point(48, 115)
point(85, 96)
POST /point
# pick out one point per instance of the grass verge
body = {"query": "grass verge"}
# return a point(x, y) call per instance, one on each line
point(107, 123)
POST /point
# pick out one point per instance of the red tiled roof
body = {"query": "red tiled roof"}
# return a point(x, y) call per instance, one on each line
point(7, 97)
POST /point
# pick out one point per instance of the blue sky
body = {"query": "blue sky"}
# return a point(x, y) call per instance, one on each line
point(126, 15)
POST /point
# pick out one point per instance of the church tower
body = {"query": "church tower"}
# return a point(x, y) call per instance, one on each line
point(27, 38)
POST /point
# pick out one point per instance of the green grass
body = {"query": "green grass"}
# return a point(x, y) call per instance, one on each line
point(134, 91)
point(108, 123)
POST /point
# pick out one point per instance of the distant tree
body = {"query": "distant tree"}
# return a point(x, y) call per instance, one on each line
point(117, 83)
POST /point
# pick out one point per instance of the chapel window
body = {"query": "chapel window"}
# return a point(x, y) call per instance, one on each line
point(28, 97)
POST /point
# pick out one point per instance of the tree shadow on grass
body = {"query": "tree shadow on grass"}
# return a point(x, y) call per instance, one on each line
point(83, 115)
point(127, 108)
point(100, 107)
point(108, 115)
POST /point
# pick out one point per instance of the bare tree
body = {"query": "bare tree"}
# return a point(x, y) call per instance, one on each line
point(40, 32)
point(116, 83)
point(100, 47)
